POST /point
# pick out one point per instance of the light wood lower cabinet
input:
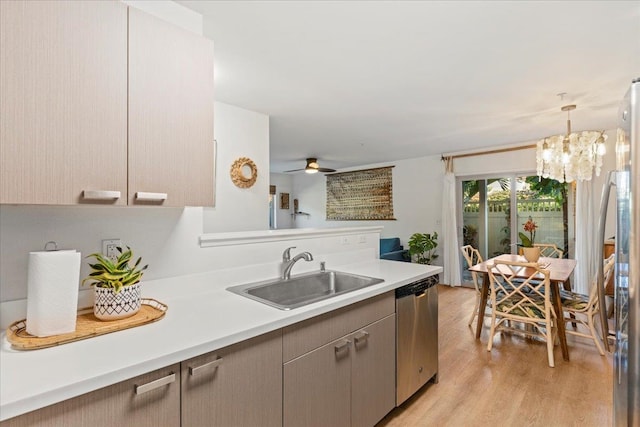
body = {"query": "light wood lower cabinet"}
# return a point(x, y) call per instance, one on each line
point(347, 382)
point(328, 378)
point(317, 387)
point(151, 399)
point(239, 385)
point(373, 373)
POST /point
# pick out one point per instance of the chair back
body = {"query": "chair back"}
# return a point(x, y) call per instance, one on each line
point(518, 291)
point(608, 267)
point(473, 257)
point(549, 250)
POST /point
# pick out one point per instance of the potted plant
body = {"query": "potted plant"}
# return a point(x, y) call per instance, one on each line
point(116, 285)
point(530, 252)
point(422, 247)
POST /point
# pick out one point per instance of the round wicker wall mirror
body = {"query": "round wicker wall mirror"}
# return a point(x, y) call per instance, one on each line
point(244, 172)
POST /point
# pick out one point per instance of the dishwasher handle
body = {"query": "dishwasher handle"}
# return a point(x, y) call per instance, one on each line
point(417, 288)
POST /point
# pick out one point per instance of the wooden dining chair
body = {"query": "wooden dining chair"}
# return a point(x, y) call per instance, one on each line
point(472, 257)
point(585, 308)
point(549, 250)
point(522, 300)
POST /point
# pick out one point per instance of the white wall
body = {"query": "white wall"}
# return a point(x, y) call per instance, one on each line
point(167, 238)
point(524, 161)
point(171, 12)
point(417, 194)
point(417, 190)
point(284, 184)
point(499, 163)
point(239, 133)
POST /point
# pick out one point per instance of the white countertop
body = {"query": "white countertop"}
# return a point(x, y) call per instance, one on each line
point(201, 317)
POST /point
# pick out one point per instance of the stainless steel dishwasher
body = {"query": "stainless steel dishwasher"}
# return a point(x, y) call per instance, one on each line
point(417, 336)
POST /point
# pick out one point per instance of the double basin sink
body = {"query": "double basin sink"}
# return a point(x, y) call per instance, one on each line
point(304, 289)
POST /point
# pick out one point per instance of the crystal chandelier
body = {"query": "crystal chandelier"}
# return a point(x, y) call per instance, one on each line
point(573, 156)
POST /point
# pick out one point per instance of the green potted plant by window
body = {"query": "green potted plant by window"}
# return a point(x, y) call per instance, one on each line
point(530, 252)
point(422, 247)
point(116, 285)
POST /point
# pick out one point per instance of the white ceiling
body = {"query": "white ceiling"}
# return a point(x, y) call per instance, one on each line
point(360, 82)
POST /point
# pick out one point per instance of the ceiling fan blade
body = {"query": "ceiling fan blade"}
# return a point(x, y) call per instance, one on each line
point(312, 165)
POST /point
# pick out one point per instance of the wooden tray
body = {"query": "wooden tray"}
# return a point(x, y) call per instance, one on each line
point(87, 326)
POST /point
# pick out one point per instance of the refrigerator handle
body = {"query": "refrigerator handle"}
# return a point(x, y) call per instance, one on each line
point(604, 204)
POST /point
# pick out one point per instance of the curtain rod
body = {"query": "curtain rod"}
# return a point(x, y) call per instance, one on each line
point(482, 153)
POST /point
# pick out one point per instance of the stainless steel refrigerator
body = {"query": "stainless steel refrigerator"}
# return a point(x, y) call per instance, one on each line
point(626, 384)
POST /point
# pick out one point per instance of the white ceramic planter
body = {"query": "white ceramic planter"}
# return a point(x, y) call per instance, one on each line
point(111, 306)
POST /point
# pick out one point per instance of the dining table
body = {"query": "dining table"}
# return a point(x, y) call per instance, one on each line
point(560, 270)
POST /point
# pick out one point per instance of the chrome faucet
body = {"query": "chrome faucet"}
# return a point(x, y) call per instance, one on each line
point(288, 262)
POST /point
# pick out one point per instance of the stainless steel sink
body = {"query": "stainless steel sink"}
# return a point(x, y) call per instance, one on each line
point(304, 289)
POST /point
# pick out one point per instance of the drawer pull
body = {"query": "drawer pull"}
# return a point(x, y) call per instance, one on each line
point(142, 195)
point(204, 368)
point(140, 389)
point(100, 195)
point(343, 346)
point(361, 337)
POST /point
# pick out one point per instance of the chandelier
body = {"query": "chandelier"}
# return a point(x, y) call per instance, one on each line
point(573, 156)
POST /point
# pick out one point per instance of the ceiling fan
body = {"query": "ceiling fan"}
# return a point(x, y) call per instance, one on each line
point(313, 167)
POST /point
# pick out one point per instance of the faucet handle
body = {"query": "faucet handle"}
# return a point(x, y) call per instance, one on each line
point(322, 266)
point(286, 255)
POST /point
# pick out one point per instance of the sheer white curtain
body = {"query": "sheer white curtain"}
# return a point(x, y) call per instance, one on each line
point(586, 230)
point(451, 275)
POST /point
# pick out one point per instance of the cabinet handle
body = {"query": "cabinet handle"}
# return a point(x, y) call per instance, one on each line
point(142, 195)
point(344, 345)
point(140, 389)
point(100, 195)
point(361, 337)
point(206, 367)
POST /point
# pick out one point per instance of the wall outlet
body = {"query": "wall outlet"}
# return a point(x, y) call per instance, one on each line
point(109, 248)
point(362, 239)
point(344, 240)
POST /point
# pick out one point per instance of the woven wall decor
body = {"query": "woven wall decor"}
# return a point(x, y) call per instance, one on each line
point(360, 195)
point(237, 172)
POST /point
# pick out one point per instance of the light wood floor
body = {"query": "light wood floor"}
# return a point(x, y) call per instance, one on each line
point(510, 386)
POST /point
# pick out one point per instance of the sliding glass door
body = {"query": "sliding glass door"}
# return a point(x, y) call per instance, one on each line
point(486, 215)
point(494, 208)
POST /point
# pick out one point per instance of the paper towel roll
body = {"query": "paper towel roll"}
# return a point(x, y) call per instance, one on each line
point(52, 292)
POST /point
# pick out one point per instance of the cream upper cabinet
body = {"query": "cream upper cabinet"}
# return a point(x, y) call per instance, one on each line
point(101, 107)
point(170, 113)
point(63, 109)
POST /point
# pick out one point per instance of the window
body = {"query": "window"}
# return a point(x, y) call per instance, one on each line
point(493, 210)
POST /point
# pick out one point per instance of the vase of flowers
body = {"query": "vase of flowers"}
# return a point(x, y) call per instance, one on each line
point(530, 252)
